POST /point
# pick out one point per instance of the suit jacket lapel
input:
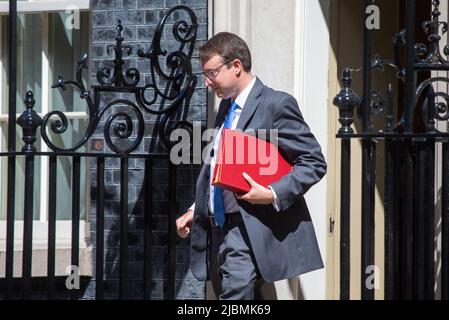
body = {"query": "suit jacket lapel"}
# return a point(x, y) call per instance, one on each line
point(251, 105)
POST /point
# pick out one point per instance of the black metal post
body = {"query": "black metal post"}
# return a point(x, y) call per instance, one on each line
point(407, 262)
point(124, 228)
point(368, 167)
point(346, 101)
point(29, 120)
point(27, 228)
point(368, 194)
point(99, 270)
point(445, 224)
point(12, 75)
point(76, 172)
point(410, 84)
point(148, 227)
point(429, 280)
point(367, 52)
point(397, 226)
point(52, 192)
point(419, 227)
point(429, 211)
point(345, 219)
point(172, 210)
point(389, 199)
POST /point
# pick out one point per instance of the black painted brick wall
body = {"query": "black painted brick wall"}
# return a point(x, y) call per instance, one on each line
point(139, 19)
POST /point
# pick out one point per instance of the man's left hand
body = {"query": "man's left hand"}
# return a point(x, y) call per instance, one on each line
point(258, 193)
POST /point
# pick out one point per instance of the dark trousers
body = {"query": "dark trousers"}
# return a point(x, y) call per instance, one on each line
point(231, 264)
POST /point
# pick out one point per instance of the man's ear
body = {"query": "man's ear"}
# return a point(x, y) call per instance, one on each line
point(238, 67)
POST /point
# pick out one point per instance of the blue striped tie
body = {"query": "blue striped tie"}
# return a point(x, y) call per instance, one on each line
point(218, 192)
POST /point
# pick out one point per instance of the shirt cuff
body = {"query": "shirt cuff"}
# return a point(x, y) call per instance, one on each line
point(276, 202)
point(192, 207)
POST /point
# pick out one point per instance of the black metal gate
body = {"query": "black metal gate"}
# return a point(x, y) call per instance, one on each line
point(123, 133)
point(411, 137)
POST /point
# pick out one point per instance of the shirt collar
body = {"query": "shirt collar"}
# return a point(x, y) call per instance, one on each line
point(243, 96)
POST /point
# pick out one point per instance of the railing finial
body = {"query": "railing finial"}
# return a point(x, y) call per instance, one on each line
point(29, 120)
point(346, 101)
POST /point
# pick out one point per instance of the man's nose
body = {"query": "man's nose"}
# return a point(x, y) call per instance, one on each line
point(208, 82)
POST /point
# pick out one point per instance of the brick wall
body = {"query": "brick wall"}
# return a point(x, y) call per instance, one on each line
point(139, 19)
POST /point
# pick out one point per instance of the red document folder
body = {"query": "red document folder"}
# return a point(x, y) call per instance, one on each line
point(239, 152)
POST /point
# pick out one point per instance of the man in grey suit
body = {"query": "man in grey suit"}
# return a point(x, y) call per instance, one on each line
point(267, 234)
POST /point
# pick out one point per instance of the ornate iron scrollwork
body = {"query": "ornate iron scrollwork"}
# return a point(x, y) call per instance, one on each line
point(60, 124)
point(432, 29)
point(132, 75)
point(434, 106)
point(178, 80)
point(180, 76)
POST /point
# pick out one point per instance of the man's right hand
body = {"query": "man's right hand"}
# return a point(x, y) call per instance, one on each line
point(184, 224)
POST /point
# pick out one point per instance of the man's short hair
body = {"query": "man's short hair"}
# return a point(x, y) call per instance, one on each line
point(228, 46)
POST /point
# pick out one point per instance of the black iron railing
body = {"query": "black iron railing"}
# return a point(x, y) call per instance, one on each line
point(179, 83)
point(409, 183)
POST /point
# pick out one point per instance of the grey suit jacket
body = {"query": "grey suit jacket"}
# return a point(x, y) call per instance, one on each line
point(284, 243)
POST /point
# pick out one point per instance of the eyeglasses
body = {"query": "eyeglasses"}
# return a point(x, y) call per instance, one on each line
point(212, 74)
